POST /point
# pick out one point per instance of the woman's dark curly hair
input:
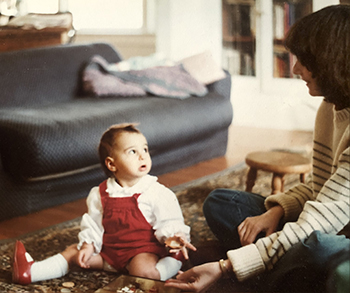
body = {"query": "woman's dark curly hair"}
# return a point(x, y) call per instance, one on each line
point(108, 140)
point(321, 42)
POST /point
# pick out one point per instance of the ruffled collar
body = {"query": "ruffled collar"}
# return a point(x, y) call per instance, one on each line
point(115, 190)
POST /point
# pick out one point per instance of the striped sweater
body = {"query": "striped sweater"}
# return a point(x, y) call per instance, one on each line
point(323, 204)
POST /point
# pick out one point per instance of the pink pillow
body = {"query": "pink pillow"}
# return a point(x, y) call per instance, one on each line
point(203, 68)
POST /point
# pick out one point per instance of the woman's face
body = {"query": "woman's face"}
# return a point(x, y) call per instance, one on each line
point(306, 76)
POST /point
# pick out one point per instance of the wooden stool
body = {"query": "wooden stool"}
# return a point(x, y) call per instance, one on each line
point(279, 163)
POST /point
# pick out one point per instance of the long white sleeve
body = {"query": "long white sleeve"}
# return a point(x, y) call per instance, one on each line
point(167, 215)
point(91, 229)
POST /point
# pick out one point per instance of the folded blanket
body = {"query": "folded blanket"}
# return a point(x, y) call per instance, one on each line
point(100, 79)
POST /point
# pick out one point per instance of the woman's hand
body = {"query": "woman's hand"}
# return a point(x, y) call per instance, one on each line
point(84, 255)
point(249, 229)
point(197, 279)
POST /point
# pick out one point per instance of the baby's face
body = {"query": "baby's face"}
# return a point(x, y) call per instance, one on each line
point(131, 158)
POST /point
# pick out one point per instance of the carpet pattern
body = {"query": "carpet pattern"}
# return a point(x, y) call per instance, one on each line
point(50, 241)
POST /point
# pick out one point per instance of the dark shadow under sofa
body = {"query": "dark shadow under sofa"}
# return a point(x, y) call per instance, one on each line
point(50, 130)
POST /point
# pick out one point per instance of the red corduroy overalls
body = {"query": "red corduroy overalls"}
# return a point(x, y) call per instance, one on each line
point(126, 231)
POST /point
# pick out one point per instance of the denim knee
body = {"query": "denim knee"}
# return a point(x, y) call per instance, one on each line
point(304, 268)
point(225, 209)
point(243, 204)
point(216, 199)
point(321, 247)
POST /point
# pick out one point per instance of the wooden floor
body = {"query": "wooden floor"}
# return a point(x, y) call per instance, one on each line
point(242, 140)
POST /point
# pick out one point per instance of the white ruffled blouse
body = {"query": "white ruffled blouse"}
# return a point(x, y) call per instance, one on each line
point(158, 204)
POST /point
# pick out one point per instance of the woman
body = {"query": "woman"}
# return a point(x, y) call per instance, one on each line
point(289, 238)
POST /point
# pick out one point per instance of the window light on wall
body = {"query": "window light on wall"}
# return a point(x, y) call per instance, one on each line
point(96, 16)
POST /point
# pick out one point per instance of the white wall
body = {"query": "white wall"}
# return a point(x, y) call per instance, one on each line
point(127, 45)
point(292, 108)
point(188, 27)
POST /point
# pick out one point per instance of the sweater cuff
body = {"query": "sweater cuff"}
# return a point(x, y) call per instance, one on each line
point(289, 204)
point(246, 262)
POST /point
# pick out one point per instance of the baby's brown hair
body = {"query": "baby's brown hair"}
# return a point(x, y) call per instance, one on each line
point(107, 142)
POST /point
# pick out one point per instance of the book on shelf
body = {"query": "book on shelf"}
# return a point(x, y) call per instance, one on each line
point(281, 66)
point(231, 60)
point(284, 17)
point(239, 20)
point(278, 22)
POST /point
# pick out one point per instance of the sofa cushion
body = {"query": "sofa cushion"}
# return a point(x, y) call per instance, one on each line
point(57, 138)
point(42, 76)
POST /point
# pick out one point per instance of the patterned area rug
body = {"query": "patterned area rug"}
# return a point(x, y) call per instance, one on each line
point(45, 243)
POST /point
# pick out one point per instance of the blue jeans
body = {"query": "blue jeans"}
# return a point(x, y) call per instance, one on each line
point(225, 209)
point(304, 268)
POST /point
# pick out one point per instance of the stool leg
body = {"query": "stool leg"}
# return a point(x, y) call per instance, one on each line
point(251, 177)
point(277, 183)
point(302, 177)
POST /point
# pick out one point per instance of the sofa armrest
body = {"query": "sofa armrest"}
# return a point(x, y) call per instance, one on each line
point(222, 87)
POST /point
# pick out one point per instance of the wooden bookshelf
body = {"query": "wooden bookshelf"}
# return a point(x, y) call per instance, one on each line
point(239, 36)
point(285, 13)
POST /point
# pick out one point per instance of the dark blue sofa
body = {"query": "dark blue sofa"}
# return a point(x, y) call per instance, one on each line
point(50, 130)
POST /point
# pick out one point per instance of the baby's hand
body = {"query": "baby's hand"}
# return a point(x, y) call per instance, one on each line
point(84, 255)
point(179, 242)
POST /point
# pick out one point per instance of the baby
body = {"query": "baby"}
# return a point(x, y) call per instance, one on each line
point(130, 219)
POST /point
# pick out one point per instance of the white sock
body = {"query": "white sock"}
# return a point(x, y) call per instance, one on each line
point(53, 267)
point(168, 267)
